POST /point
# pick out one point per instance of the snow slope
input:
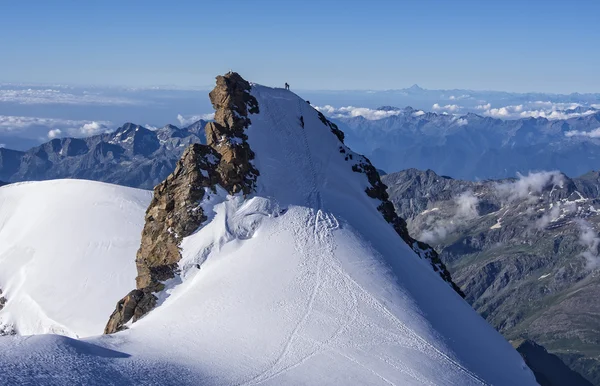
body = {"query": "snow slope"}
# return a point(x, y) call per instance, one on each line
point(67, 251)
point(303, 283)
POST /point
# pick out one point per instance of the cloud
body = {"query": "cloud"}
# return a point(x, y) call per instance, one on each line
point(591, 241)
point(586, 134)
point(465, 209)
point(462, 122)
point(454, 97)
point(52, 127)
point(352, 111)
point(189, 119)
point(93, 128)
point(549, 216)
point(525, 186)
point(447, 108)
point(54, 133)
point(2, 145)
point(32, 96)
point(536, 109)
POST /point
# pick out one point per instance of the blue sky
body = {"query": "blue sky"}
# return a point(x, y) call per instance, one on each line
point(549, 46)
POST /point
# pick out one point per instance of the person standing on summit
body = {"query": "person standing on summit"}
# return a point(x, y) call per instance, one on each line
point(287, 86)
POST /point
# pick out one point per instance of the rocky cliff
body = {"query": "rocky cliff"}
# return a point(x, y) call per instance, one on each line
point(175, 211)
point(549, 370)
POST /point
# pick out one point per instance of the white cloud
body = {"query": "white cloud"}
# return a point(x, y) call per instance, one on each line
point(352, 111)
point(418, 113)
point(586, 134)
point(53, 96)
point(2, 145)
point(93, 128)
point(462, 122)
point(531, 184)
point(537, 109)
point(54, 133)
point(551, 215)
point(447, 108)
point(591, 241)
point(464, 96)
point(150, 127)
point(189, 119)
point(76, 128)
point(465, 209)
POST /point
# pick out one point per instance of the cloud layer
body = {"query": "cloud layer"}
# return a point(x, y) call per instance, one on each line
point(537, 109)
point(585, 134)
point(352, 111)
point(52, 127)
point(56, 96)
point(189, 119)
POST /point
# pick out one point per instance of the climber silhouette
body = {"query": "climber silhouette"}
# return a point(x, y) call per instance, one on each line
point(287, 86)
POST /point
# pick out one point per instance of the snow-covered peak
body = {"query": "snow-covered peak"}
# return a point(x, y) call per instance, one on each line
point(298, 272)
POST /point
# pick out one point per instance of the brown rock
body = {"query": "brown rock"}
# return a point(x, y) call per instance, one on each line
point(175, 211)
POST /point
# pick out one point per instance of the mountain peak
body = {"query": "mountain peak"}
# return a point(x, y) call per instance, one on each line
point(415, 87)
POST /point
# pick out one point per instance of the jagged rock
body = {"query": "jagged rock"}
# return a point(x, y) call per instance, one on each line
point(124, 311)
point(175, 211)
point(378, 190)
point(2, 300)
point(548, 369)
point(233, 102)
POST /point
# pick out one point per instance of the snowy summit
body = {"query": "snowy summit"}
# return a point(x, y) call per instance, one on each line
point(270, 256)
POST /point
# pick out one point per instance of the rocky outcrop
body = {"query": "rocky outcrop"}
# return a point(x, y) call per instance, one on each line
point(548, 369)
point(2, 300)
point(378, 190)
point(174, 213)
point(233, 102)
point(176, 208)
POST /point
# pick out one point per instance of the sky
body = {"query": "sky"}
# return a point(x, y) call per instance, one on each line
point(546, 46)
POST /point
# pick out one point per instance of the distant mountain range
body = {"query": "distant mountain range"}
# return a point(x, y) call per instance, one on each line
point(132, 156)
point(475, 147)
point(525, 252)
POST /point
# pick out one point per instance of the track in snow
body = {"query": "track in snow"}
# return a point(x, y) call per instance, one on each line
point(327, 272)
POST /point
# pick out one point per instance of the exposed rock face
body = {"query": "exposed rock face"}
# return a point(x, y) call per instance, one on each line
point(2, 300)
point(175, 211)
point(233, 102)
point(549, 370)
point(378, 190)
point(525, 252)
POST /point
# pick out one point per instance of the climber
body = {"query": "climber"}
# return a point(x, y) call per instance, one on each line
point(302, 121)
point(287, 86)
